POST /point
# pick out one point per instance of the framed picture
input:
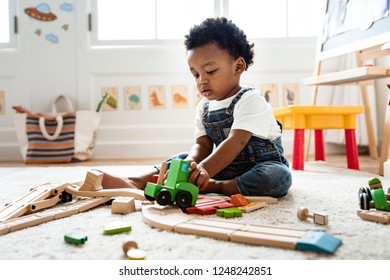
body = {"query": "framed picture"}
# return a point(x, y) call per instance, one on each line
point(179, 96)
point(271, 94)
point(157, 97)
point(2, 103)
point(132, 98)
point(290, 94)
point(112, 103)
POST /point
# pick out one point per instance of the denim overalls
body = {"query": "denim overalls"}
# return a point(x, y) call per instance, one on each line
point(260, 169)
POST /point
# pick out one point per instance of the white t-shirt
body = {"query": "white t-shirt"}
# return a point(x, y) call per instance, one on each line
point(251, 113)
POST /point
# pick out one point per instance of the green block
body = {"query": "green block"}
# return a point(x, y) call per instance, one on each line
point(231, 212)
point(75, 238)
point(116, 227)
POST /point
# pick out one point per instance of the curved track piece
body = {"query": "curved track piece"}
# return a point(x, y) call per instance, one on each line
point(173, 219)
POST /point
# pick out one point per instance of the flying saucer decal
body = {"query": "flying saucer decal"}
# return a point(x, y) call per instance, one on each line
point(41, 12)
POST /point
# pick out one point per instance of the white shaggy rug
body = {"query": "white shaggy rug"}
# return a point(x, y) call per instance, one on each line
point(320, 188)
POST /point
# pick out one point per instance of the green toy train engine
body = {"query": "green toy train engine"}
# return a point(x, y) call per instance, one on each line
point(175, 189)
point(374, 196)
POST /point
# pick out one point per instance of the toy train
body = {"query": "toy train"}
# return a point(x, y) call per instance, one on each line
point(176, 188)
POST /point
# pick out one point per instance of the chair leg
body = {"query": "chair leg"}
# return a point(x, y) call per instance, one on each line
point(319, 150)
point(351, 149)
point(298, 156)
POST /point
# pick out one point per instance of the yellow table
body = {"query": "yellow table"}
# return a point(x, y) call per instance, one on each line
point(318, 118)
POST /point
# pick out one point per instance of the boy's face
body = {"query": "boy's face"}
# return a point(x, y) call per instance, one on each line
point(217, 74)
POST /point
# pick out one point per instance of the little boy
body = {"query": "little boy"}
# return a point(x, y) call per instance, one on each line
point(238, 146)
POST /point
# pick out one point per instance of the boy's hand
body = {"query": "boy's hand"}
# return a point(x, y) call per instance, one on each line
point(199, 174)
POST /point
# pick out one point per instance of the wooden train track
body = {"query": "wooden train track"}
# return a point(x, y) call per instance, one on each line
point(173, 219)
point(72, 208)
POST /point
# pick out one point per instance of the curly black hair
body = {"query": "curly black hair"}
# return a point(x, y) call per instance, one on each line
point(225, 34)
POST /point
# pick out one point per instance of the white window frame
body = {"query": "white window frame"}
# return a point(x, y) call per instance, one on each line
point(12, 22)
point(95, 42)
point(221, 8)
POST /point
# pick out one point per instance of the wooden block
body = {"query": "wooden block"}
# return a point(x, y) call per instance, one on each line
point(251, 206)
point(75, 238)
point(123, 205)
point(267, 199)
point(320, 218)
point(93, 181)
point(238, 200)
point(207, 206)
point(232, 212)
point(116, 227)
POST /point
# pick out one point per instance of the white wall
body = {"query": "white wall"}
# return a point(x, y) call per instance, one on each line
point(39, 70)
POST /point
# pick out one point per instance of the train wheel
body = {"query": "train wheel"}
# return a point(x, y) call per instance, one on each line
point(163, 197)
point(364, 201)
point(183, 199)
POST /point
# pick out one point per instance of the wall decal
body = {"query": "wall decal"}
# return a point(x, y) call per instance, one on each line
point(52, 38)
point(132, 98)
point(66, 7)
point(179, 96)
point(290, 94)
point(41, 12)
point(157, 97)
point(2, 103)
point(271, 94)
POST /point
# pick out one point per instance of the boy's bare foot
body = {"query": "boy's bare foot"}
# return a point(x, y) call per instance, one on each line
point(227, 187)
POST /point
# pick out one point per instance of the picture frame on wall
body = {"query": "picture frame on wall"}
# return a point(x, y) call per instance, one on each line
point(113, 93)
point(157, 97)
point(132, 97)
point(180, 98)
point(290, 94)
point(271, 94)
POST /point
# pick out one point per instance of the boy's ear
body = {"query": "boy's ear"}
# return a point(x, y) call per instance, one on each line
point(240, 65)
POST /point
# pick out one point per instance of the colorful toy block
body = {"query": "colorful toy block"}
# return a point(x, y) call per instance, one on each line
point(116, 227)
point(75, 238)
point(238, 200)
point(208, 206)
point(232, 212)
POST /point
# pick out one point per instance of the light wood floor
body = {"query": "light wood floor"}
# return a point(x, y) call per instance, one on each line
point(366, 163)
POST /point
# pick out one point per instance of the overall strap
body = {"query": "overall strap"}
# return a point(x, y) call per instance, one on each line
point(230, 109)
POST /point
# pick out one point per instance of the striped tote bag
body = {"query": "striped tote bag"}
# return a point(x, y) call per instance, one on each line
point(50, 138)
point(57, 137)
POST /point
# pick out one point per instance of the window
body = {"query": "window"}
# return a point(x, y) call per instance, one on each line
point(133, 21)
point(7, 35)
point(127, 20)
